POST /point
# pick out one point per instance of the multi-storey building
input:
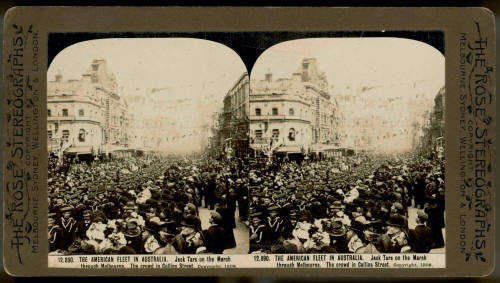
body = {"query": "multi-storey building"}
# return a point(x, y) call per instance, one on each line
point(234, 120)
point(84, 115)
point(293, 115)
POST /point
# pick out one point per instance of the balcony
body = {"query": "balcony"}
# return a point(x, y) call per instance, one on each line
point(270, 117)
point(72, 118)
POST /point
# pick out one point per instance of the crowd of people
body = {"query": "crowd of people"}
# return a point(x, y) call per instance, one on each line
point(348, 204)
point(144, 205)
point(151, 204)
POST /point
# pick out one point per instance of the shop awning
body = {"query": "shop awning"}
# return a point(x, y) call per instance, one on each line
point(259, 146)
point(289, 149)
point(79, 150)
point(117, 148)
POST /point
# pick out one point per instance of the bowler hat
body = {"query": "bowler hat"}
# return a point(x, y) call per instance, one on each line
point(190, 221)
point(396, 220)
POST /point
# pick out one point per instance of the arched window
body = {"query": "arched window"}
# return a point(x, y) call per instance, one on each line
point(291, 112)
point(81, 135)
point(276, 133)
point(257, 112)
point(81, 112)
point(291, 134)
point(49, 113)
point(258, 134)
point(65, 135)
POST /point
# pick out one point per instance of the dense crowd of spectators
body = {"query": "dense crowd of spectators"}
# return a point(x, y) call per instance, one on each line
point(355, 204)
point(150, 205)
point(144, 205)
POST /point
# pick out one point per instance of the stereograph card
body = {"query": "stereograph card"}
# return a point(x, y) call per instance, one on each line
point(173, 141)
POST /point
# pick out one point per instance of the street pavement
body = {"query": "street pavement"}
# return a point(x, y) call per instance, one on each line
point(241, 233)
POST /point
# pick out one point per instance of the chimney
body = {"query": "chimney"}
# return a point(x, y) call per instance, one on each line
point(86, 78)
point(297, 77)
point(269, 76)
point(59, 77)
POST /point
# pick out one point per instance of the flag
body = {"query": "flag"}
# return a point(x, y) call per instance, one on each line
point(266, 124)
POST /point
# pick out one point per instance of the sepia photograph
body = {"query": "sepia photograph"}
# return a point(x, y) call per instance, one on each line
point(346, 139)
point(142, 157)
point(242, 141)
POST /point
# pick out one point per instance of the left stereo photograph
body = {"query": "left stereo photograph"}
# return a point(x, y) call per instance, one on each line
point(142, 157)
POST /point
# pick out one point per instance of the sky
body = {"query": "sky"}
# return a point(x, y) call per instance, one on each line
point(357, 62)
point(182, 63)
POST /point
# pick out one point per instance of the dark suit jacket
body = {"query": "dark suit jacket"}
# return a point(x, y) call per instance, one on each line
point(420, 239)
point(214, 238)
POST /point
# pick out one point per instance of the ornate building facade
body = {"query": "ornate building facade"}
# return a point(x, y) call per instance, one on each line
point(292, 115)
point(85, 115)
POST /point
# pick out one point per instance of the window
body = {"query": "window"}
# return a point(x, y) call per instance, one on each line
point(257, 112)
point(291, 134)
point(65, 112)
point(258, 134)
point(49, 135)
point(81, 135)
point(291, 112)
point(276, 133)
point(94, 67)
point(275, 111)
point(81, 112)
point(49, 113)
point(65, 135)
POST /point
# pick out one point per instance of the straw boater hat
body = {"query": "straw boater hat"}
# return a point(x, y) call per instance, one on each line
point(338, 205)
point(337, 229)
point(66, 209)
point(256, 215)
point(130, 205)
point(272, 208)
point(132, 230)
